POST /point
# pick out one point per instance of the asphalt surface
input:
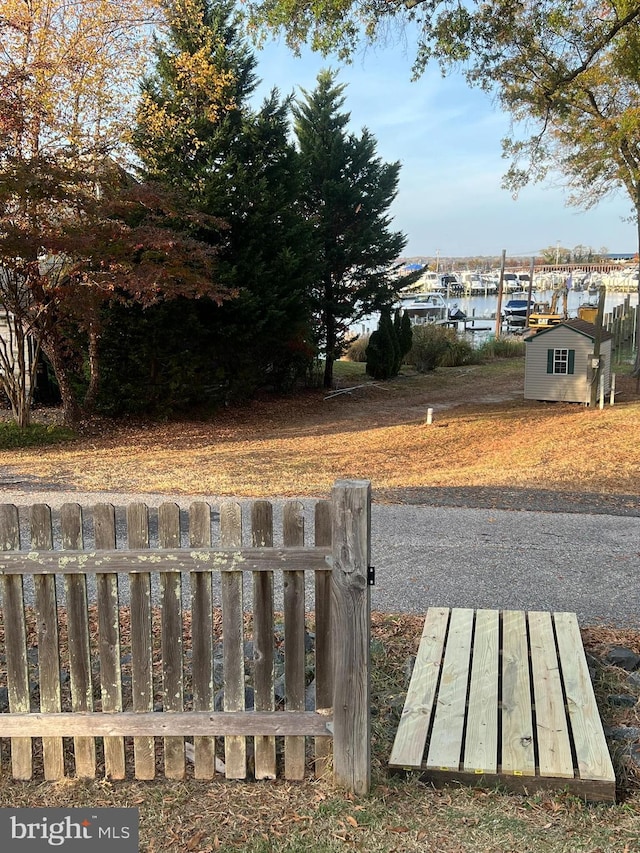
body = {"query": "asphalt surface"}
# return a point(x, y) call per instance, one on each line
point(588, 563)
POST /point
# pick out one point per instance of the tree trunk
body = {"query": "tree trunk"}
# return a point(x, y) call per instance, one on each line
point(330, 328)
point(94, 371)
point(330, 332)
point(636, 366)
point(71, 410)
point(15, 371)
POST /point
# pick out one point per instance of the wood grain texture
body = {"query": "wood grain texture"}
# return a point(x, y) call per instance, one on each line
point(263, 638)
point(351, 613)
point(592, 754)
point(518, 757)
point(481, 737)
point(48, 641)
point(324, 636)
point(202, 638)
point(294, 635)
point(75, 586)
point(445, 747)
point(232, 588)
point(104, 522)
point(536, 721)
point(15, 637)
point(411, 737)
point(171, 639)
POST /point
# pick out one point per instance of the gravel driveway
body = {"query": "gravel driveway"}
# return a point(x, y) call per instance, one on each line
point(586, 560)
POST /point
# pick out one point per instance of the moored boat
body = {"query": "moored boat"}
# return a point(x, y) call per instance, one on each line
point(515, 310)
point(423, 308)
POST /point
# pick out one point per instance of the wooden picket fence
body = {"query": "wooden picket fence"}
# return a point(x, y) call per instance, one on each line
point(105, 719)
point(622, 324)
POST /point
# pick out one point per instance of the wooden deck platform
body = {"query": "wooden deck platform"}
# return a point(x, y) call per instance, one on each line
point(504, 698)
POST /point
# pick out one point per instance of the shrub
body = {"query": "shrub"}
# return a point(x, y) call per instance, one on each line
point(383, 352)
point(459, 352)
point(403, 332)
point(438, 346)
point(357, 349)
point(508, 347)
point(430, 343)
point(11, 435)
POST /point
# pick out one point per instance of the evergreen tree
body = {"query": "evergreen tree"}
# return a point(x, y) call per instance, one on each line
point(383, 349)
point(346, 192)
point(397, 328)
point(196, 131)
point(405, 334)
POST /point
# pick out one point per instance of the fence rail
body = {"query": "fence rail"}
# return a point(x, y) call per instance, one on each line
point(139, 681)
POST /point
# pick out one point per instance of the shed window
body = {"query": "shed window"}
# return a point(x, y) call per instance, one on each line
point(561, 361)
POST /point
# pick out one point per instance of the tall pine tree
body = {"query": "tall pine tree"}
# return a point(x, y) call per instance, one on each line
point(347, 191)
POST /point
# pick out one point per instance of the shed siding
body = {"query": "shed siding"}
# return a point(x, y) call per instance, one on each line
point(572, 388)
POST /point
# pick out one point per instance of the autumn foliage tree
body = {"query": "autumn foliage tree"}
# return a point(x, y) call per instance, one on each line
point(75, 230)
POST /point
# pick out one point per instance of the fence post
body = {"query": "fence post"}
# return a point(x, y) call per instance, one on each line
point(351, 605)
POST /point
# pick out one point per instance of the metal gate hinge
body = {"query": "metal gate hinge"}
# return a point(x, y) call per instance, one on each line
point(371, 575)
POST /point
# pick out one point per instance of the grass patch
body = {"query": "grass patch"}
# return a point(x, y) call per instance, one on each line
point(346, 368)
point(36, 435)
point(401, 815)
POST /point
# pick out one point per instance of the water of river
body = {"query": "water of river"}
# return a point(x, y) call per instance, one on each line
point(483, 309)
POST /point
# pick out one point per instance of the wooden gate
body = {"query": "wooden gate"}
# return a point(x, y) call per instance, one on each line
point(135, 689)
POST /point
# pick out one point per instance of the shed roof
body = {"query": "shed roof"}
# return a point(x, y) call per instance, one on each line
point(582, 327)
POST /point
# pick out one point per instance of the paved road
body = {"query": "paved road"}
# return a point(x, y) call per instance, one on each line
point(589, 564)
point(424, 556)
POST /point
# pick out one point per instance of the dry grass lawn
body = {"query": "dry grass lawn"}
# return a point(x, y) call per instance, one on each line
point(483, 434)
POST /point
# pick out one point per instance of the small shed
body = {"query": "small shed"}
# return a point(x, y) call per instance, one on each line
point(559, 362)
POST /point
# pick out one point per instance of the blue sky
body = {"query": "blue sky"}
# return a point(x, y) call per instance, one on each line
point(447, 138)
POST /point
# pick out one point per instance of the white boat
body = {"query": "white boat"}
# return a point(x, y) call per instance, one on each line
point(515, 310)
point(511, 282)
point(424, 308)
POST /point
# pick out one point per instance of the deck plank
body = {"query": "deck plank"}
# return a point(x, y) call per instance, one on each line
point(554, 747)
point(445, 749)
point(546, 742)
point(481, 741)
point(409, 744)
point(594, 760)
point(518, 758)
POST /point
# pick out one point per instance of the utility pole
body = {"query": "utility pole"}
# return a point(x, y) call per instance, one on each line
point(500, 285)
point(597, 360)
point(530, 289)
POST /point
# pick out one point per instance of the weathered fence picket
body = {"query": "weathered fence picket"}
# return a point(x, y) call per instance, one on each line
point(48, 644)
point(202, 628)
point(169, 697)
point(75, 587)
point(141, 637)
point(104, 522)
point(324, 635)
point(15, 648)
point(171, 638)
point(235, 748)
point(294, 633)
point(262, 537)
